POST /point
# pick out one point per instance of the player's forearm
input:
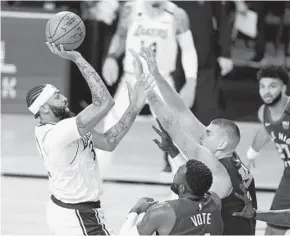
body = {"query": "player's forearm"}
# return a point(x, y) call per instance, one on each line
point(117, 46)
point(163, 112)
point(187, 119)
point(116, 133)
point(275, 217)
point(260, 140)
point(100, 95)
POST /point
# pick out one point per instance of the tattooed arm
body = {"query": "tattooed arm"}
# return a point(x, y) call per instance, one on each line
point(102, 101)
point(137, 97)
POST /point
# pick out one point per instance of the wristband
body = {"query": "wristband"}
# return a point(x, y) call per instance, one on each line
point(252, 154)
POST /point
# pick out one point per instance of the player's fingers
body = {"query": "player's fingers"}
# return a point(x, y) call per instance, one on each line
point(49, 46)
point(157, 130)
point(160, 126)
point(157, 142)
point(237, 214)
point(240, 196)
point(55, 49)
point(61, 48)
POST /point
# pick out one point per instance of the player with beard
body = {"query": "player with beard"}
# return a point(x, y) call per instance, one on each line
point(67, 146)
point(195, 212)
point(275, 116)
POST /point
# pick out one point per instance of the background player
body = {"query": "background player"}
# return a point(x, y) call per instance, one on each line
point(275, 116)
point(214, 145)
point(162, 26)
point(195, 212)
point(67, 147)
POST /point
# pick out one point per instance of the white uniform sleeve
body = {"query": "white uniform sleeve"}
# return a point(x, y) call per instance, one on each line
point(129, 226)
point(64, 133)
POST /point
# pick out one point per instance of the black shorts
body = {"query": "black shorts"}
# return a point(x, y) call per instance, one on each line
point(281, 199)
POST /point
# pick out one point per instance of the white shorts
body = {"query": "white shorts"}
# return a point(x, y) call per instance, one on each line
point(122, 99)
point(63, 221)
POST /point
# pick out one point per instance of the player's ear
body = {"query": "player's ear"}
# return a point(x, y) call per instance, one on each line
point(181, 188)
point(223, 144)
point(44, 109)
point(284, 88)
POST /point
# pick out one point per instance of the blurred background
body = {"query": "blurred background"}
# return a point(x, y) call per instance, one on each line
point(26, 62)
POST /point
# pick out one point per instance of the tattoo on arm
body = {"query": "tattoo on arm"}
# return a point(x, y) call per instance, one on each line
point(182, 21)
point(100, 94)
point(116, 133)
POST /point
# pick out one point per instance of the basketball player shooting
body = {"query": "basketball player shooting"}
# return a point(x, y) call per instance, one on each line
point(195, 212)
point(67, 146)
point(275, 117)
point(162, 26)
point(213, 145)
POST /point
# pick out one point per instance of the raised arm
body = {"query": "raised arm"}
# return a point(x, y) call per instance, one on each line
point(186, 119)
point(102, 101)
point(109, 140)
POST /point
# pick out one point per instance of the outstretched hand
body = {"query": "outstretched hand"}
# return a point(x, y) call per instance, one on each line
point(149, 57)
point(166, 144)
point(248, 211)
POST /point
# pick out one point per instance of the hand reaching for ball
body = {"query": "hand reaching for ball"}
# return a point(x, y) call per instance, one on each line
point(70, 55)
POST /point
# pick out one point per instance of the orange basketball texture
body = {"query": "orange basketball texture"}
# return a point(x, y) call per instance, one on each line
point(66, 28)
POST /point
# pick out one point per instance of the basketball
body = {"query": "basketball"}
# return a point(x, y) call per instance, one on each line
point(65, 28)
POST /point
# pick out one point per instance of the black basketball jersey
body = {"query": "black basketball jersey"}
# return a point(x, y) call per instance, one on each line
point(197, 216)
point(239, 174)
point(279, 132)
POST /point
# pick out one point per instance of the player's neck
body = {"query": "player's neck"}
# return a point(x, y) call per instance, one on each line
point(154, 11)
point(280, 106)
point(188, 195)
point(223, 154)
point(46, 120)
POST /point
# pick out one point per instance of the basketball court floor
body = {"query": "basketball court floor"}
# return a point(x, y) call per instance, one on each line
point(134, 173)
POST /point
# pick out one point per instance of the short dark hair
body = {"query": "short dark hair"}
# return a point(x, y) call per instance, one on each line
point(32, 94)
point(198, 177)
point(275, 72)
point(230, 127)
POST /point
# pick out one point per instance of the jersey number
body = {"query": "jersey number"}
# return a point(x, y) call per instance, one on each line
point(152, 46)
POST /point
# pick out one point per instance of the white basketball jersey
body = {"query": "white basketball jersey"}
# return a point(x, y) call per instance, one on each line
point(159, 33)
point(71, 162)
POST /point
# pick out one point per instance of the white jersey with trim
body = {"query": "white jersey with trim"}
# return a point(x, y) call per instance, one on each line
point(70, 160)
point(159, 33)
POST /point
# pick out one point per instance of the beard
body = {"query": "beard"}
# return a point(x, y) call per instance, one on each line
point(275, 100)
point(174, 187)
point(61, 112)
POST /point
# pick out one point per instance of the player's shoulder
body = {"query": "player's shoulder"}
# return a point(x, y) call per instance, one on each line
point(160, 210)
point(42, 129)
point(178, 12)
point(217, 200)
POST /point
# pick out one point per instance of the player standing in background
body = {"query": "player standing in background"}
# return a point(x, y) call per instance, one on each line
point(67, 146)
point(275, 116)
point(214, 145)
point(162, 26)
point(195, 212)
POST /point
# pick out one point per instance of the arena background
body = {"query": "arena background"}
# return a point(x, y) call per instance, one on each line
point(26, 61)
